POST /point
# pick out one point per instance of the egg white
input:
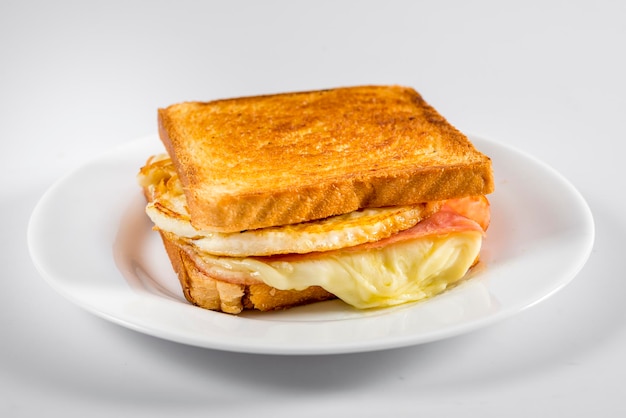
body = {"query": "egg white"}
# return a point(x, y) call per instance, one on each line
point(168, 211)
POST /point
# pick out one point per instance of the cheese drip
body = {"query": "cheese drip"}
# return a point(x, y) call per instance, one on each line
point(404, 272)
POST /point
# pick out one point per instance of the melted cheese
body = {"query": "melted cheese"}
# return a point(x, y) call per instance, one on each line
point(404, 272)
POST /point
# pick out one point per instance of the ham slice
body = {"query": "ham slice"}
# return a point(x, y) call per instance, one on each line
point(457, 215)
point(472, 207)
point(441, 223)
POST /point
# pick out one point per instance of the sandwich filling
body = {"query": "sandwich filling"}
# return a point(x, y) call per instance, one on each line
point(369, 258)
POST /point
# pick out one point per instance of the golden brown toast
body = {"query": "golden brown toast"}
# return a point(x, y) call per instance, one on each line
point(261, 161)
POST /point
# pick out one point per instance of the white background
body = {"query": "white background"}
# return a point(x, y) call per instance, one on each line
point(79, 78)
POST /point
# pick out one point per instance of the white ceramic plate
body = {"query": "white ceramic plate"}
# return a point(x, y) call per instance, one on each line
point(91, 241)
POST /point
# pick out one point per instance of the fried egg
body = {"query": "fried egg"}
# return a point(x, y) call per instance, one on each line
point(168, 211)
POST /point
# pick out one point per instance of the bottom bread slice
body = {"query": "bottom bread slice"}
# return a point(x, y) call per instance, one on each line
point(207, 292)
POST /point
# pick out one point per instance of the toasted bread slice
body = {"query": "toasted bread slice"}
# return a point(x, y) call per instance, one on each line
point(256, 162)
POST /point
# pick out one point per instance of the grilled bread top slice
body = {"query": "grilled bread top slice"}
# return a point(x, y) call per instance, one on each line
point(261, 161)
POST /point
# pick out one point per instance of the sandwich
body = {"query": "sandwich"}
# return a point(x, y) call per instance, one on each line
point(366, 194)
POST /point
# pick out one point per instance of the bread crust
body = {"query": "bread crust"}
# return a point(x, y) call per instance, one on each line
point(261, 161)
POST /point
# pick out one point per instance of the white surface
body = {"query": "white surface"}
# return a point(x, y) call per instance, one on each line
point(132, 284)
point(546, 77)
